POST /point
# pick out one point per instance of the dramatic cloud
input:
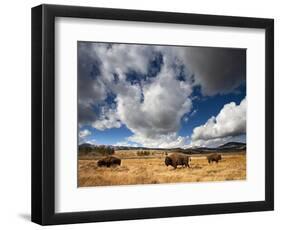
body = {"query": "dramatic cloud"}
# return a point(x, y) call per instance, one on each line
point(148, 107)
point(102, 65)
point(217, 71)
point(157, 107)
point(148, 89)
point(108, 119)
point(85, 113)
point(230, 122)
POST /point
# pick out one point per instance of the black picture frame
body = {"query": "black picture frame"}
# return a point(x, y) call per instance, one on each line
point(43, 114)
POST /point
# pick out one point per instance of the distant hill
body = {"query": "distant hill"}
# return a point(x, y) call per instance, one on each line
point(88, 149)
point(228, 147)
point(233, 145)
point(85, 145)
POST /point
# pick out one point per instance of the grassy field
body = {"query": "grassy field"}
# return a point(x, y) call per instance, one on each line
point(152, 170)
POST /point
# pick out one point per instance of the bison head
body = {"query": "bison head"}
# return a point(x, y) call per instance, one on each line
point(168, 161)
point(101, 163)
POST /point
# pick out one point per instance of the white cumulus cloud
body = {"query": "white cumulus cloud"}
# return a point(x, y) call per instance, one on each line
point(108, 119)
point(230, 122)
point(84, 133)
point(126, 143)
point(171, 140)
point(157, 107)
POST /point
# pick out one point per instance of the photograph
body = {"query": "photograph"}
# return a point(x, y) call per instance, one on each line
point(153, 114)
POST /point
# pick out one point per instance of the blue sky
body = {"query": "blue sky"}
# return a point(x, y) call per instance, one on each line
point(160, 96)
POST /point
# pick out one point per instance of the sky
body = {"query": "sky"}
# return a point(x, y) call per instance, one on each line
point(160, 96)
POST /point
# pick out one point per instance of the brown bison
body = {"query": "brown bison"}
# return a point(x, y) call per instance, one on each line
point(214, 157)
point(109, 161)
point(176, 159)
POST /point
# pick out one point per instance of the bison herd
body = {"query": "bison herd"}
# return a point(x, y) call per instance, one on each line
point(173, 159)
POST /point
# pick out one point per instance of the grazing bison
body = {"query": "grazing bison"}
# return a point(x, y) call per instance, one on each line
point(109, 161)
point(214, 157)
point(176, 159)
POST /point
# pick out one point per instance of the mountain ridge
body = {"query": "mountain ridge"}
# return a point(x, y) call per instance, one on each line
point(227, 147)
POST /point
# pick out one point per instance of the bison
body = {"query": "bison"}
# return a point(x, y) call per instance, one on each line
point(109, 161)
point(176, 159)
point(214, 157)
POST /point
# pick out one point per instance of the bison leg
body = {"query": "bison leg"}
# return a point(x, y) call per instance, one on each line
point(175, 165)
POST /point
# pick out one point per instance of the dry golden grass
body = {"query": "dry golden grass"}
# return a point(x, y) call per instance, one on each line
point(152, 170)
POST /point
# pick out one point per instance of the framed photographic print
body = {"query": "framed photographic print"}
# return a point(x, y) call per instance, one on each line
point(142, 114)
